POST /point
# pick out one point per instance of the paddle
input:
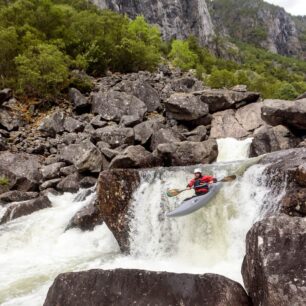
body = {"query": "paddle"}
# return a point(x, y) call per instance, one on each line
point(176, 192)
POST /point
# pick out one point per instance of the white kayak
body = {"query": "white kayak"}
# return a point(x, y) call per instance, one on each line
point(191, 205)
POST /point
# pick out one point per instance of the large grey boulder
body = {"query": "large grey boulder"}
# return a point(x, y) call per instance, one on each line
point(185, 107)
point(222, 99)
point(72, 125)
point(225, 124)
point(133, 157)
point(249, 116)
point(142, 288)
point(70, 183)
point(52, 171)
point(143, 91)
point(187, 153)
point(79, 102)
point(112, 105)
point(197, 135)
point(17, 196)
point(52, 124)
point(275, 262)
point(19, 209)
point(186, 84)
point(165, 135)
point(10, 120)
point(145, 130)
point(115, 136)
point(85, 156)
point(288, 113)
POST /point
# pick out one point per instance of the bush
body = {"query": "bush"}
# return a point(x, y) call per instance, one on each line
point(221, 78)
point(286, 91)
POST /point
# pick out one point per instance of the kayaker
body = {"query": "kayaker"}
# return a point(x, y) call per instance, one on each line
point(200, 183)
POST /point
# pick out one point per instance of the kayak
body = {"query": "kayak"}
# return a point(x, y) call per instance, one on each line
point(191, 205)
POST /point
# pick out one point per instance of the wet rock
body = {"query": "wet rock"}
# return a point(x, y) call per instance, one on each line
point(115, 136)
point(114, 195)
point(52, 124)
point(79, 102)
point(19, 209)
point(143, 91)
point(288, 113)
point(270, 139)
point(5, 95)
point(17, 196)
point(85, 156)
point(70, 183)
point(73, 125)
point(249, 116)
point(225, 125)
point(185, 107)
point(112, 105)
point(88, 182)
point(133, 157)
point(87, 218)
point(187, 153)
point(275, 263)
point(135, 287)
point(145, 130)
point(165, 135)
point(223, 99)
point(52, 171)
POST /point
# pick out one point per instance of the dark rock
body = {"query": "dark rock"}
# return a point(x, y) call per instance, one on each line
point(302, 96)
point(145, 130)
point(52, 171)
point(187, 153)
point(5, 95)
point(19, 209)
point(143, 91)
point(222, 99)
point(114, 195)
point(165, 135)
point(133, 157)
point(109, 153)
point(10, 120)
point(197, 135)
point(185, 107)
point(135, 287)
point(249, 116)
point(275, 263)
point(3, 143)
point(53, 124)
point(70, 183)
point(112, 105)
point(88, 182)
point(270, 139)
point(115, 136)
point(288, 113)
point(225, 125)
point(73, 125)
point(85, 156)
point(79, 102)
point(97, 122)
point(17, 196)
point(185, 84)
point(87, 218)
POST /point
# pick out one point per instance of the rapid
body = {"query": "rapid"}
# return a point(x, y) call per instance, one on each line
point(36, 248)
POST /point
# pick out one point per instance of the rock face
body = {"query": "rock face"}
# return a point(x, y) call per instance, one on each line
point(275, 263)
point(178, 19)
point(114, 194)
point(288, 113)
point(136, 287)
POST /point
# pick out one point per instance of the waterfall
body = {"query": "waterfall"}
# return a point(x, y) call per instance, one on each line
point(36, 248)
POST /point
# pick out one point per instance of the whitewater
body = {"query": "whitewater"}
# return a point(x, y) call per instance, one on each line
point(36, 248)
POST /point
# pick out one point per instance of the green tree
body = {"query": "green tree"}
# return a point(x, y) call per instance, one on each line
point(42, 70)
point(286, 91)
point(221, 78)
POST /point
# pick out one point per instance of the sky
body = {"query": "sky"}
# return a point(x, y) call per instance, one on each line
point(294, 7)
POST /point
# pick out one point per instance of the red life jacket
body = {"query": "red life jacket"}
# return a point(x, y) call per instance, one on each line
point(203, 180)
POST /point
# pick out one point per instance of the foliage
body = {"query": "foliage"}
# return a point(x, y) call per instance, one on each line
point(4, 181)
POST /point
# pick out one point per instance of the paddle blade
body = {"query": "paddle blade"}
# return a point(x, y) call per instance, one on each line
point(173, 192)
point(228, 178)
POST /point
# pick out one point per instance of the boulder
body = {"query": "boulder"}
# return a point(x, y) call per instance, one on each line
point(133, 157)
point(114, 195)
point(86, 218)
point(68, 170)
point(145, 130)
point(165, 135)
point(52, 124)
point(79, 102)
point(19, 209)
point(115, 136)
point(17, 196)
point(249, 116)
point(270, 139)
point(225, 124)
point(288, 113)
point(143, 91)
point(52, 171)
point(135, 287)
point(5, 95)
point(186, 85)
point(10, 120)
point(275, 262)
point(222, 99)
point(97, 122)
point(3, 143)
point(185, 107)
point(73, 125)
point(85, 156)
point(187, 153)
point(49, 184)
point(70, 183)
point(23, 168)
point(197, 135)
point(88, 181)
point(129, 120)
point(112, 105)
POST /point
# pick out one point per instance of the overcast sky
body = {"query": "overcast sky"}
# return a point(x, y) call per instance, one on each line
point(295, 7)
